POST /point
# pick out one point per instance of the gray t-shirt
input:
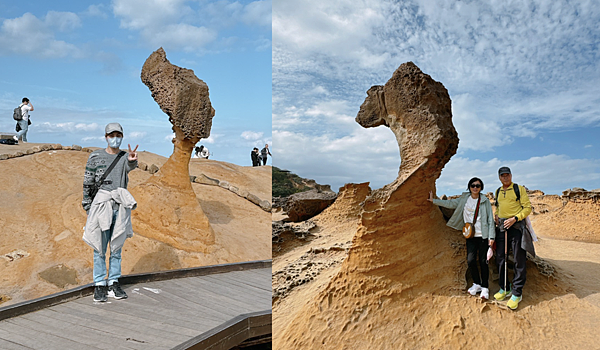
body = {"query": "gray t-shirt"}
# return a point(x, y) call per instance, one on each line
point(96, 165)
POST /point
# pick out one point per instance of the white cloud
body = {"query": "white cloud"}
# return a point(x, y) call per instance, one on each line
point(251, 135)
point(136, 135)
point(180, 36)
point(551, 173)
point(341, 29)
point(588, 146)
point(29, 35)
point(146, 14)
point(513, 72)
point(363, 155)
point(93, 138)
point(68, 127)
point(170, 137)
point(63, 21)
point(190, 25)
point(476, 131)
point(96, 11)
point(212, 138)
point(257, 13)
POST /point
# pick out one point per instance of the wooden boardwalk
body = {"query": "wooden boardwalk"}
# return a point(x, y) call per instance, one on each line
point(167, 314)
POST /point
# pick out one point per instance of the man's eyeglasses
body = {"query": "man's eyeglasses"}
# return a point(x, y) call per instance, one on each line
point(475, 186)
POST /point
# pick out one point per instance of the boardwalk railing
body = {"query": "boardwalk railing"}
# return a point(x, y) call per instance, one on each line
point(255, 326)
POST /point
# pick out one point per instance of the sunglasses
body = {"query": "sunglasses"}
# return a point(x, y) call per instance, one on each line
point(475, 186)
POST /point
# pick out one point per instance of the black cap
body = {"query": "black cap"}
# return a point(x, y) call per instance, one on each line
point(504, 170)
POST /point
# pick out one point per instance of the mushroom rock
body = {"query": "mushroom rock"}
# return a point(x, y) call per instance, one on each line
point(398, 250)
point(168, 209)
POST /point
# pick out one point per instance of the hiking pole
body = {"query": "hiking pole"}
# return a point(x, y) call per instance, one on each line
point(505, 256)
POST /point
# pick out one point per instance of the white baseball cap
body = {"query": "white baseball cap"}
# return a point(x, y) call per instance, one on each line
point(111, 127)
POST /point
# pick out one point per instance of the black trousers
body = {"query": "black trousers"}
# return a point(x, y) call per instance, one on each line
point(264, 159)
point(515, 235)
point(477, 248)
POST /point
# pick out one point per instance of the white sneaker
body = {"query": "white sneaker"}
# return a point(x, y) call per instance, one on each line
point(475, 288)
point(15, 138)
point(485, 293)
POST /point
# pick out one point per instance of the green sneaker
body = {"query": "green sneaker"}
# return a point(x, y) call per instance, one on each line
point(501, 294)
point(513, 303)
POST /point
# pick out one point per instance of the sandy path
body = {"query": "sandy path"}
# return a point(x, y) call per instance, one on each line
point(578, 261)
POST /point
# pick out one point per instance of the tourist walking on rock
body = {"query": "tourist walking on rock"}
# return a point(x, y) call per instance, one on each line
point(255, 157)
point(473, 207)
point(264, 152)
point(108, 205)
point(512, 209)
point(23, 124)
point(202, 152)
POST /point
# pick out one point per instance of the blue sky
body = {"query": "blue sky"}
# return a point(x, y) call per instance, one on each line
point(79, 63)
point(523, 77)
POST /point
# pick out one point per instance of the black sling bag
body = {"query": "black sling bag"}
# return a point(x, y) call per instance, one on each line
point(97, 185)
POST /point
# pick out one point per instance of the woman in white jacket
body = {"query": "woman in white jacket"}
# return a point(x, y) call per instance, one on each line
point(485, 233)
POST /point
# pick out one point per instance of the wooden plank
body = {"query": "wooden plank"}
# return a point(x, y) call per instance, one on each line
point(195, 271)
point(41, 323)
point(8, 345)
point(241, 286)
point(38, 339)
point(246, 279)
point(231, 333)
point(124, 331)
point(143, 329)
point(183, 303)
point(141, 309)
point(256, 276)
point(219, 293)
point(86, 321)
point(217, 296)
point(57, 298)
point(192, 295)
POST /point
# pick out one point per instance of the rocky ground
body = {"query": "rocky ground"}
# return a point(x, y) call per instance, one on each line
point(560, 309)
point(41, 251)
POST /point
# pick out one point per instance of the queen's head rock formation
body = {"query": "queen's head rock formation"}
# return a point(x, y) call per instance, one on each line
point(177, 219)
point(401, 284)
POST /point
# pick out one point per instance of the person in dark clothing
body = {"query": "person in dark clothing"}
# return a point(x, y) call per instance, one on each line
point(477, 246)
point(255, 157)
point(510, 218)
point(264, 152)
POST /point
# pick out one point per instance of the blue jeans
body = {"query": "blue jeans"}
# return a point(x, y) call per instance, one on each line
point(24, 126)
point(114, 262)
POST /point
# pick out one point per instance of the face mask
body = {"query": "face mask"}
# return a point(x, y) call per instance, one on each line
point(114, 142)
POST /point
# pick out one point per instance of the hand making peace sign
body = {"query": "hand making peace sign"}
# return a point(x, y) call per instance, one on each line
point(132, 153)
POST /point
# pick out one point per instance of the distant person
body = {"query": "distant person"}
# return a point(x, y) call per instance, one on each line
point(109, 210)
point(255, 156)
point(23, 124)
point(512, 209)
point(264, 152)
point(467, 206)
point(202, 152)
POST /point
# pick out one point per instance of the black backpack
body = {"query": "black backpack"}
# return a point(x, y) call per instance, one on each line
point(18, 114)
point(8, 142)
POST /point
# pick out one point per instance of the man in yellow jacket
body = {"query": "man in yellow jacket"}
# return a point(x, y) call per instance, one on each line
point(511, 211)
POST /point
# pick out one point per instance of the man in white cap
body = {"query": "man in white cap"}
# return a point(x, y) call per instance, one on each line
point(106, 178)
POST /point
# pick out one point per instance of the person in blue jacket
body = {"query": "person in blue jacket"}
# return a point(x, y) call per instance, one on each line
point(485, 232)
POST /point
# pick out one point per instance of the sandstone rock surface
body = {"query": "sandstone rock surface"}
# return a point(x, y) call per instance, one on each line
point(402, 283)
point(180, 94)
point(42, 222)
point(304, 205)
point(175, 217)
